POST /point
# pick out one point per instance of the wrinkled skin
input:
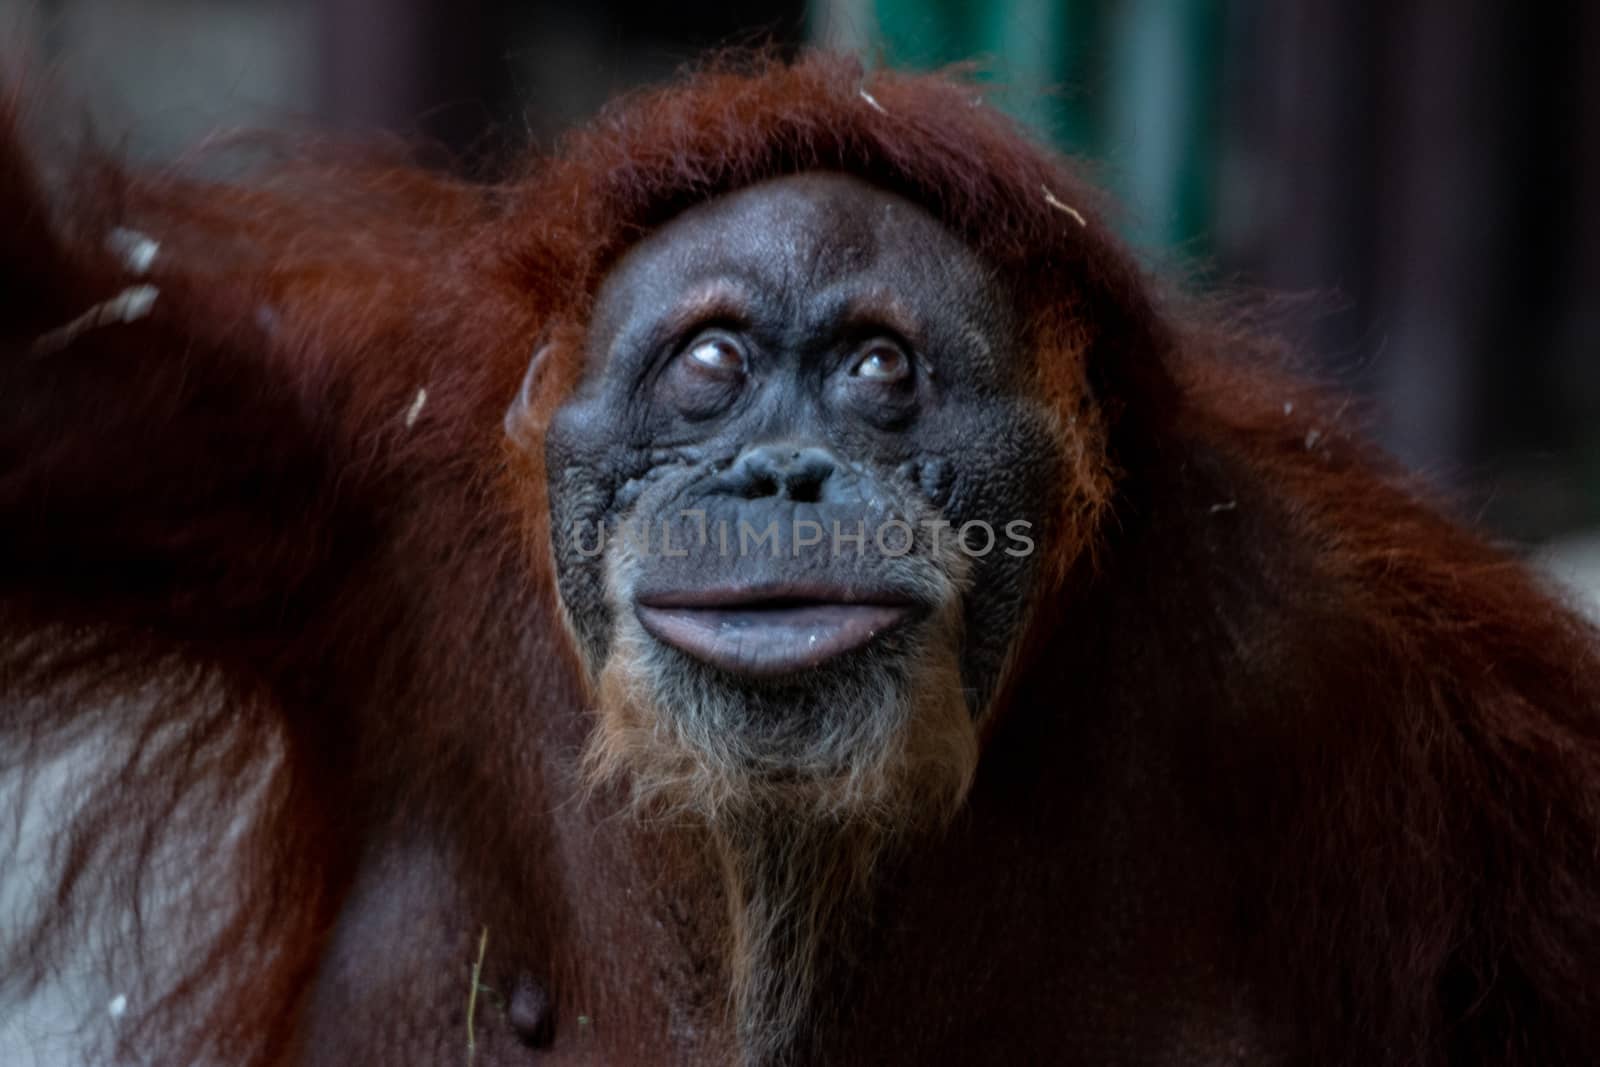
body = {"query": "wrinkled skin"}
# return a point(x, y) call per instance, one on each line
point(864, 352)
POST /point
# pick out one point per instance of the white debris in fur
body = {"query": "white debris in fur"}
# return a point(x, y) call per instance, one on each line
point(1050, 198)
point(1288, 407)
point(1226, 505)
point(136, 250)
point(872, 102)
point(415, 410)
point(267, 319)
point(1312, 437)
point(130, 305)
point(118, 1006)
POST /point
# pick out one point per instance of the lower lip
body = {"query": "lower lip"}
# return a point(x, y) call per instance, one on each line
point(768, 642)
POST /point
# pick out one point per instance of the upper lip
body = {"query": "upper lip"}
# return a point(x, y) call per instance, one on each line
point(772, 594)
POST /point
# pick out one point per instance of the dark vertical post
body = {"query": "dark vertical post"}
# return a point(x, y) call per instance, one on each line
point(411, 66)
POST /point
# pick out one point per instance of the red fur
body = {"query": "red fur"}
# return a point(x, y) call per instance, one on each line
point(1290, 753)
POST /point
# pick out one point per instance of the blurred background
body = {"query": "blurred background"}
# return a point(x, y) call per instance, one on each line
point(1419, 176)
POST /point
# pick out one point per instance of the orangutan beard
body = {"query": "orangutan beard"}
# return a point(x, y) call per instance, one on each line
point(804, 786)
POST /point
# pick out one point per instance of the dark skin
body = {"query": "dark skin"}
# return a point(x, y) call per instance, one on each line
point(808, 350)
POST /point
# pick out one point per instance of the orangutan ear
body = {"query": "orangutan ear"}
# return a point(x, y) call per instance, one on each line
point(524, 420)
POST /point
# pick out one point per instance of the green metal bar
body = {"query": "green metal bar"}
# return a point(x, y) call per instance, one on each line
point(1128, 82)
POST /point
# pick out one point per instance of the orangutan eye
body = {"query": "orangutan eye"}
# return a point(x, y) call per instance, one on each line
point(884, 363)
point(716, 354)
point(707, 375)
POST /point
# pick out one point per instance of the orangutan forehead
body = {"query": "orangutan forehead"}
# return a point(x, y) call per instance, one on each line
point(799, 236)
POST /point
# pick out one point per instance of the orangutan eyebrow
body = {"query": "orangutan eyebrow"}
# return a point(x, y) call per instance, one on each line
point(882, 309)
point(721, 300)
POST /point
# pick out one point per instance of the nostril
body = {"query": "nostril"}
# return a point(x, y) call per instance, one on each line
point(806, 488)
point(797, 474)
point(759, 486)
